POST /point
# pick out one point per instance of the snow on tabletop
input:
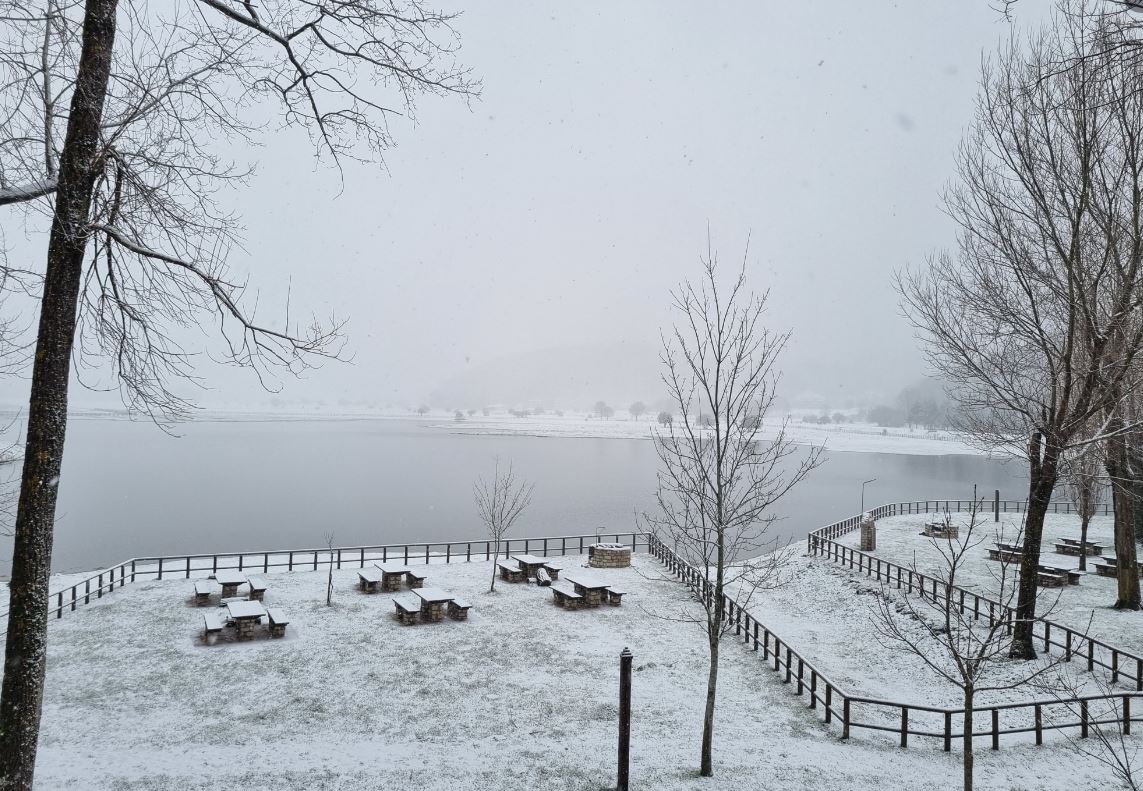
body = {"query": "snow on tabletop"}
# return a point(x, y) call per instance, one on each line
point(1085, 607)
point(521, 694)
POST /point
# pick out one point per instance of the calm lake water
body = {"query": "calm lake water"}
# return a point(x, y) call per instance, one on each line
point(129, 490)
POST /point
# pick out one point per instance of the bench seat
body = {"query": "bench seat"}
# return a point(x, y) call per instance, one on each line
point(510, 572)
point(212, 625)
point(554, 569)
point(369, 579)
point(615, 596)
point(415, 580)
point(202, 591)
point(565, 596)
point(407, 611)
point(458, 609)
point(277, 620)
point(257, 588)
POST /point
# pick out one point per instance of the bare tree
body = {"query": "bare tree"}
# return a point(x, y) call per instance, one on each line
point(1032, 322)
point(113, 114)
point(717, 484)
point(637, 409)
point(961, 648)
point(1107, 740)
point(329, 579)
point(499, 503)
point(1085, 487)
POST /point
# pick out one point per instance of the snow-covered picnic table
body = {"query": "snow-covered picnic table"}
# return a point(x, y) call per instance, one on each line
point(230, 580)
point(530, 563)
point(391, 575)
point(245, 614)
point(588, 585)
point(433, 601)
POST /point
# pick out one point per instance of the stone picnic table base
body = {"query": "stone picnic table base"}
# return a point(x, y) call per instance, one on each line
point(432, 610)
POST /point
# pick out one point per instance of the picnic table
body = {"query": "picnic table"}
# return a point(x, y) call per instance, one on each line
point(530, 564)
point(591, 587)
point(1005, 555)
point(391, 574)
point(1072, 575)
point(1109, 567)
point(230, 580)
point(1073, 546)
point(433, 601)
point(940, 530)
point(245, 614)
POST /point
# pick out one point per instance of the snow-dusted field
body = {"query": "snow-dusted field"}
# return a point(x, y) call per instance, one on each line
point(1076, 606)
point(864, 437)
point(523, 694)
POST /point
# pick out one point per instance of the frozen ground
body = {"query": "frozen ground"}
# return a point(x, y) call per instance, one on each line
point(898, 540)
point(521, 695)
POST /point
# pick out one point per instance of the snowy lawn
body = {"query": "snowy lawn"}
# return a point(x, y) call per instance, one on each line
point(523, 694)
point(1076, 606)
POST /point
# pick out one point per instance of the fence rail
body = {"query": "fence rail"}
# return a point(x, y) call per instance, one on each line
point(855, 712)
point(1049, 634)
point(104, 582)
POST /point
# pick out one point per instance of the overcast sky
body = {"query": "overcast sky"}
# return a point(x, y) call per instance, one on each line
point(559, 209)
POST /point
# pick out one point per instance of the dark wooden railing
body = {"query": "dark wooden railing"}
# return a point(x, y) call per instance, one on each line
point(104, 582)
point(850, 712)
point(1046, 633)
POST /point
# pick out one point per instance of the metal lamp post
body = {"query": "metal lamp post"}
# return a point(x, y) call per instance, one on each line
point(871, 480)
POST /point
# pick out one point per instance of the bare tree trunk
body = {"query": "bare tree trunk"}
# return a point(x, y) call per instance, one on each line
point(25, 654)
point(1123, 505)
point(495, 558)
point(707, 764)
point(1085, 520)
point(1043, 474)
point(966, 735)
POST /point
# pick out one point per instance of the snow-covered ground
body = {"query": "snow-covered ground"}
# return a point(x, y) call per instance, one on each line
point(522, 694)
point(863, 437)
point(1077, 606)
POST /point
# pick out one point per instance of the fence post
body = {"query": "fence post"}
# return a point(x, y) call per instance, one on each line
point(99, 590)
point(904, 726)
point(188, 567)
point(996, 729)
point(845, 719)
point(59, 604)
point(132, 570)
point(624, 718)
point(160, 568)
point(829, 703)
point(948, 730)
point(87, 591)
point(1039, 726)
point(1126, 715)
point(996, 506)
point(755, 635)
point(1083, 719)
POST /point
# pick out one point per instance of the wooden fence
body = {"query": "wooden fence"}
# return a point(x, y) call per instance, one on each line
point(187, 566)
point(1046, 633)
point(852, 712)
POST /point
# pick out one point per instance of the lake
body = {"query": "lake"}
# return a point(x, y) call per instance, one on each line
point(129, 490)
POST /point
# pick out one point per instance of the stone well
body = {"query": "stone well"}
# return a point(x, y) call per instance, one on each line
point(609, 556)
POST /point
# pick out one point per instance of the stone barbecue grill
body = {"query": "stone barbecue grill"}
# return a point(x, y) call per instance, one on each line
point(609, 556)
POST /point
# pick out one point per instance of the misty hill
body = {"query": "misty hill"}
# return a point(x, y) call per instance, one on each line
point(572, 377)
